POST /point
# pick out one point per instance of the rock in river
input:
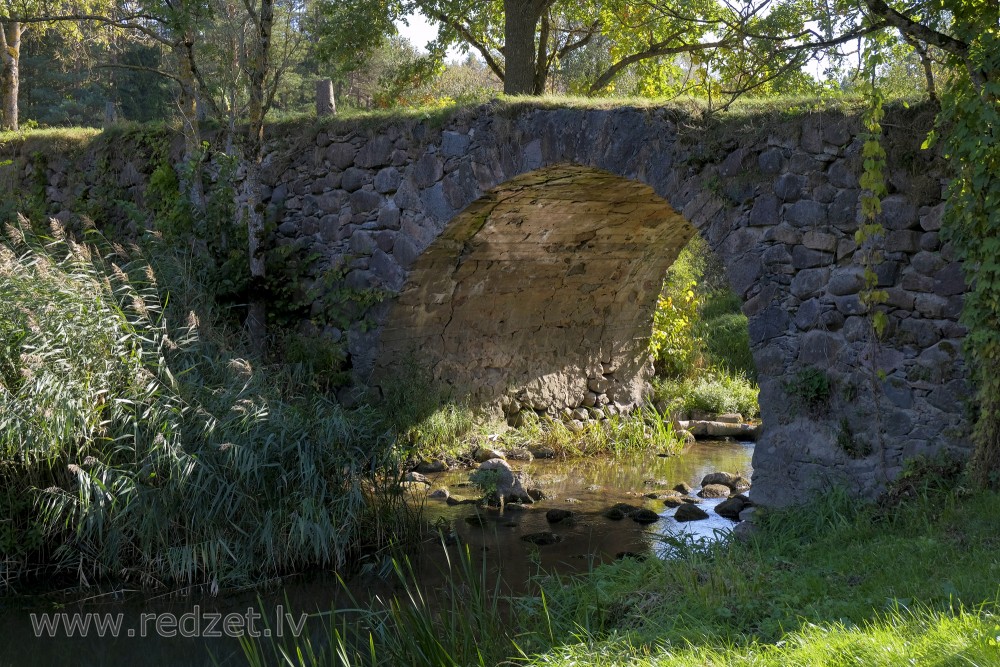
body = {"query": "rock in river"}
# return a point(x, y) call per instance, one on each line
point(620, 511)
point(557, 515)
point(733, 481)
point(714, 491)
point(690, 513)
point(543, 538)
point(431, 465)
point(731, 507)
point(643, 515)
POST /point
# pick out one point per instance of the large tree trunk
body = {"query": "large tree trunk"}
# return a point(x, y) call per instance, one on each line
point(253, 155)
point(519, 50)
point(10, 78)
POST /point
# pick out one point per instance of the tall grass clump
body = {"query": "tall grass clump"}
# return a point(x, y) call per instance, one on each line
point(711, 392)
point(465, 622)
point(137, 443)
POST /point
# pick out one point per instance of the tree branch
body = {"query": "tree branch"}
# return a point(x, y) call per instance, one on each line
point(569, 47)
point(910, 27)
point(139, 68)
point(654, 51)
point(124, 23)
point(466, 34)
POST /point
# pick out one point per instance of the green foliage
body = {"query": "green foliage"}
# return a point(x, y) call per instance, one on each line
point(810, 388)
point(136, 442)
point(711, 391)
point(463, 625)
point(970, 127)
point(853, 445)
point(673, 342)
point(700, 339)
point(698, 322)
point(726, 342)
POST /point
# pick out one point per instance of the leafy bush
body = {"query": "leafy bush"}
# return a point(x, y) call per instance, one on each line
point(727, 344)
point(809, 388)
point(674, 342)
point(713, 391)
point(698, 322)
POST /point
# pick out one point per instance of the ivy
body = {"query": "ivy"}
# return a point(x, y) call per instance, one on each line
point(969, 128)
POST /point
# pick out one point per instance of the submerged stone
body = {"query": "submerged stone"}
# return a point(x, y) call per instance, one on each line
point(543, 538)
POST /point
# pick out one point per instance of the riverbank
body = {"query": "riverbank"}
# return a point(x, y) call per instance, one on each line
point(912, 580)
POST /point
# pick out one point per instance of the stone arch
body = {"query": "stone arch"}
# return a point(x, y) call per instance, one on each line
point(542, 291)
point(778, 203)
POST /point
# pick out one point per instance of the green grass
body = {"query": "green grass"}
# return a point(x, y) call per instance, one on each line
point(833, 583)
point(710, 391)
point(441, 428)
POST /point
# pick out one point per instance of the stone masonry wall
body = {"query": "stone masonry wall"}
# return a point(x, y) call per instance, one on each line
point(525, 248)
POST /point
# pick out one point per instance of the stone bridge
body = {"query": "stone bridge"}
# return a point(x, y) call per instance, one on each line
point(523, 249)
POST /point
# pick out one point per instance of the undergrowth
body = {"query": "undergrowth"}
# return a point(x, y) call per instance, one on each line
point(711, 392)
point(138, 443)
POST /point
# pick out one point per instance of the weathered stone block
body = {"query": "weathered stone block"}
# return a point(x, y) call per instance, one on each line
point(843, 211)
point(804, 258)
point(902, 240)
point(850, 305)
point(388, 216)
point(341, 155)
point(772, 321)
point(841, 175)
point(354, 179)
point(454, 144)
point(898, 212)
point(387, 180)
point(789, 187)
point(427, 170)
point(365, 201)
point(846, 280)
point(820, 241)
point(808, 282)
point(771, 161)
point(820, 348)
point(931, 217)
point(375, 153)
point(806, 213)
point(950, 280)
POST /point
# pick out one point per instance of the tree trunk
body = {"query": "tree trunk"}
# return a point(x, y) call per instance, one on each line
point(542, 59)
point(10, 78)
point(520, 19)
point(253, 155)
point(191, 182)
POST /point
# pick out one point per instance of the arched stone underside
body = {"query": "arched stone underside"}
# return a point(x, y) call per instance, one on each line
point(428, 215)
point(541, 291)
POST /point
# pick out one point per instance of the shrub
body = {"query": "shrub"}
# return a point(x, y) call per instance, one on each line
point(727, 344)
point(713, 391)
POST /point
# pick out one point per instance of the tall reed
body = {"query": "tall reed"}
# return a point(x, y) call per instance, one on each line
point(137, 442)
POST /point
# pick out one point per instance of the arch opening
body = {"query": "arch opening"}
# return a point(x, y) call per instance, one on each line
point(541, 293)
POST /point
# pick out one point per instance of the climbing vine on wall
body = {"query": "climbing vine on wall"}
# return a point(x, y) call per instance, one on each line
point(969, 127)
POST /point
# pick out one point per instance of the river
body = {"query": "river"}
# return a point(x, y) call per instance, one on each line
point(586, 487)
